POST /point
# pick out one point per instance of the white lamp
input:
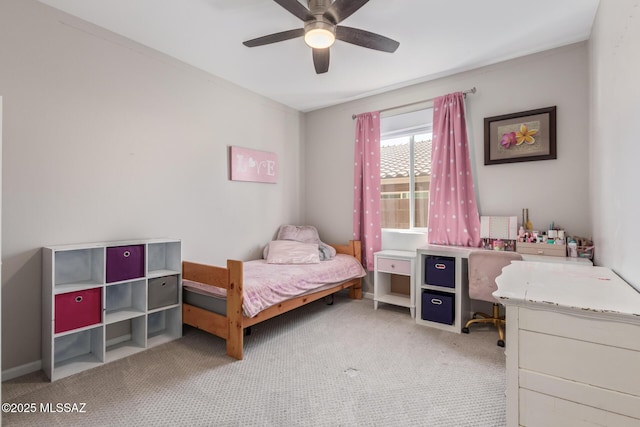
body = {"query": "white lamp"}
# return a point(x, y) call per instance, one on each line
point(319, 35)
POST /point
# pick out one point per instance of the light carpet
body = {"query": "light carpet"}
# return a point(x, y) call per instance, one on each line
point(340, 365)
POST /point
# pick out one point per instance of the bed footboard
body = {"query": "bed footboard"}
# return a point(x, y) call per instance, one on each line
point(227, 327)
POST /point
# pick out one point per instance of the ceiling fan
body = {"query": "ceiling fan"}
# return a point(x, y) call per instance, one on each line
point(321, 29)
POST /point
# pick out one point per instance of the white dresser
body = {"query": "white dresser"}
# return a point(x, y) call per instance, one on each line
point(573, 346)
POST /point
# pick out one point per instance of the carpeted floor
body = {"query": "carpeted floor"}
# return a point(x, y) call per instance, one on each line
point(320, 365)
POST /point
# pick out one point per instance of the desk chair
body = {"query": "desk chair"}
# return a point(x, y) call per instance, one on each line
point(484, 267)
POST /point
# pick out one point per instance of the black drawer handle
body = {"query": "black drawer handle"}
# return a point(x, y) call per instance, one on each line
point(126, 254)
point(436, 301)
point(441, 266)
point(163, 283)
point(78, 299)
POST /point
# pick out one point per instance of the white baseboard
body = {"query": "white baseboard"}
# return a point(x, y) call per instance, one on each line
point(368, 295)
point(19, 371)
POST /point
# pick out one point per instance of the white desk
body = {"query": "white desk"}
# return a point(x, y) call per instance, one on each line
point(459, 290)
point(573, 345)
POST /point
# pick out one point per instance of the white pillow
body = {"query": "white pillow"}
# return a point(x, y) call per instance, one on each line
point(292, 252)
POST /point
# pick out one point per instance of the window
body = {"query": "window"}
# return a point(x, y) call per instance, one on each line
point(405, 169)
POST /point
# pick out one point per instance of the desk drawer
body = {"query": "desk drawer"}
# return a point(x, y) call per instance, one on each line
point(541, 249)
point(397, 266)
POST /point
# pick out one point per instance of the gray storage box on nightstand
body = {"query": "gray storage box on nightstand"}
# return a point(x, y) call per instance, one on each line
point(163, 291)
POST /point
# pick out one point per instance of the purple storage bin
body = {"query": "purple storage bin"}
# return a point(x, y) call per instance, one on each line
point(438, 307)
point(125, 262)
point(440, 271)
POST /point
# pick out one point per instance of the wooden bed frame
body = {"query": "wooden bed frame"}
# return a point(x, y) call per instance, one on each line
point(231, 327)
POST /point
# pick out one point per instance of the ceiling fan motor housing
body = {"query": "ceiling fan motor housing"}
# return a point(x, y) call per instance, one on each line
point(318, 7)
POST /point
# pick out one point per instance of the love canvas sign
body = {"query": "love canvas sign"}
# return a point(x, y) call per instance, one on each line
point(252, 165)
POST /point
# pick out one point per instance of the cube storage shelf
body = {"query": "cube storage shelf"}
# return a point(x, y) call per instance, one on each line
point(106, 301)
point(443, 299)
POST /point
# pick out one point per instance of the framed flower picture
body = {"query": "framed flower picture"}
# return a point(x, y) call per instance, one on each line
point(520, 137)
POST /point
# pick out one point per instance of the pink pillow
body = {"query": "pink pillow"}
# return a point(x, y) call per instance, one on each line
point(299, 233)
point(292, 252)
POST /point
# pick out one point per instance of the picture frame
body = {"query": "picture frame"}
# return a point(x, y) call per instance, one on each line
point(250, 165)
point(520, 137)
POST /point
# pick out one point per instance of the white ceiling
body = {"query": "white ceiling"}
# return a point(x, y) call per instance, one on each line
point(437, 38)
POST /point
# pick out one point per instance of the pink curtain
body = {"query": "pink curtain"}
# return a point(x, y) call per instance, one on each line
point(366, 197)
point(453, 212)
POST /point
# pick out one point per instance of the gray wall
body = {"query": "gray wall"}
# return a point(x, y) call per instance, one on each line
point(615, 151)
point(552, 190)
point(105, 140)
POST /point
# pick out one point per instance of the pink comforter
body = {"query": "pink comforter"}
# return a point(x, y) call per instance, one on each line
point(265, 285)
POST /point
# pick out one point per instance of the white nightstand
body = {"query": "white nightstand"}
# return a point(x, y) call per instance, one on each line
point(388, 263)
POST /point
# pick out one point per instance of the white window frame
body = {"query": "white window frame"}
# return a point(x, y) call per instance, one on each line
point(411, 133)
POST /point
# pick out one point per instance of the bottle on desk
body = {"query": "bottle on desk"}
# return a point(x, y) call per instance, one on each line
point(525, 220)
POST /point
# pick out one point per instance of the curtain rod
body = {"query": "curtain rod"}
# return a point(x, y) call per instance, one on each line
point(465, 92)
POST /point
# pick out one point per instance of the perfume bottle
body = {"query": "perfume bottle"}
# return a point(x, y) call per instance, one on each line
point(525, 220)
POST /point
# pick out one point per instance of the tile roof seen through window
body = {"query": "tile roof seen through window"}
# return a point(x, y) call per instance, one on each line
point(394, 160)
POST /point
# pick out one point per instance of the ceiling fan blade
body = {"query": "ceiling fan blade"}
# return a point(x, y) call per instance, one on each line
point(366, 39)
point(321, 60)
point(296, 9)
point(274, 38)
point(342, 9)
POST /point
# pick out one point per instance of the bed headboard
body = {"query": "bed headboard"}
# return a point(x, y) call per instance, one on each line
point(353, 248)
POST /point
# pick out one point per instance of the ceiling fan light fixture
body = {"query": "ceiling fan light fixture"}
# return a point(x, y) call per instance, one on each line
point(319, 35)
point(322, 27)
